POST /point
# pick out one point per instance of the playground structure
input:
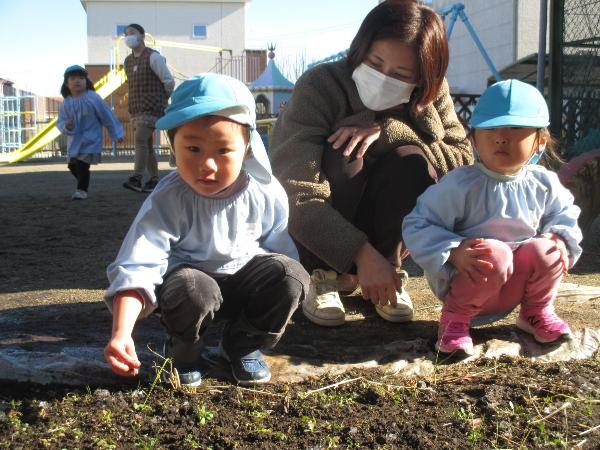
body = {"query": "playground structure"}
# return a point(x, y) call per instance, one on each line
point(11, 114)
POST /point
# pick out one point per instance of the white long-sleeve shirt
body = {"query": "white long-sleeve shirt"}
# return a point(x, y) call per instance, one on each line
point(158, 64)
point(474, 202)
point(177, 226)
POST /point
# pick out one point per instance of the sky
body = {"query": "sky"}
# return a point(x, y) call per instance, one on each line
point(40, 38)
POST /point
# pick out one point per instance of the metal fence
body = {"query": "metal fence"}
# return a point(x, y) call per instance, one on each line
point(575, 74)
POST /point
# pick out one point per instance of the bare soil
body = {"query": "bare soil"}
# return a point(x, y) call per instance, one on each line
point(54, 254)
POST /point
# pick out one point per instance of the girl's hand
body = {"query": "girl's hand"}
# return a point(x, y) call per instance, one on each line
point(466, 259)
point(69, 124)
point(354, 136)
point(121, 356)
point(561, 247)
point(377, 277)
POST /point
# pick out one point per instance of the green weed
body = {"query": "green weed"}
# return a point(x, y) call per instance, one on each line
point(204, 415)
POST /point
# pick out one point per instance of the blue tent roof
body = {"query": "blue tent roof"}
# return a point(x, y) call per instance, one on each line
point(271, 78)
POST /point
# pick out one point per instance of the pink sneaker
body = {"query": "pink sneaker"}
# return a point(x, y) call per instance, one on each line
point(544, 325)
point(453, 334)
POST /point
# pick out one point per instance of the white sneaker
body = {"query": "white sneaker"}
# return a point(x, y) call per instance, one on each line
point(403, 311)
point(79, 195)
point(322, 304)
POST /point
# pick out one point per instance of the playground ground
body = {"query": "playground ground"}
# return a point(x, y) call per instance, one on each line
point(332, 387)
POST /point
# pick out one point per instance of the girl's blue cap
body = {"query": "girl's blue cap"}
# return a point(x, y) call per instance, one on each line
point(211, 94)
point(74, 68)
point(510, 103)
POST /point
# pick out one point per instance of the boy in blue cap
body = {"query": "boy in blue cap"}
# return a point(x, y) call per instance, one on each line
point(502, 232)
point(210, 240)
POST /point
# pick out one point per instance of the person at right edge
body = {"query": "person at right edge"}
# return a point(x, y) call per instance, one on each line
point(150, 86)
point(358, 142)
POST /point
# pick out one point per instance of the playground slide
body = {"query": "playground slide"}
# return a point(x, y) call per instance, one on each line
point(104, 87)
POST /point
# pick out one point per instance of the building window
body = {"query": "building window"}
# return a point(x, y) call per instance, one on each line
point(120, 29)
point(199, 31)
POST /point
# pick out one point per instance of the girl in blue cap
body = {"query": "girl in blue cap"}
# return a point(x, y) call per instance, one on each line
point(81, 118)
point(211, 240)
point(502, 232)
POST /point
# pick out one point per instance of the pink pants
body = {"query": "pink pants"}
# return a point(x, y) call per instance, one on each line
point(528, 276)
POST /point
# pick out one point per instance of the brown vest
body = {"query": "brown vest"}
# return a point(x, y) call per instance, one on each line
point(146, 92)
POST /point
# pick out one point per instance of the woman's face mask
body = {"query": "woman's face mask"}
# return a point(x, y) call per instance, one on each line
point(133, 41)
point(378, 91)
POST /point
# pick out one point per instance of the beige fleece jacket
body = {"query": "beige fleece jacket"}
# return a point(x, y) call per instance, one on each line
point(325, 98)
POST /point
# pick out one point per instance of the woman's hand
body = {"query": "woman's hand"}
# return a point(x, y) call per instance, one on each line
point(355, 136)
point(561, 247)
point(120, 355)
point(466, 259)
point(377, 277)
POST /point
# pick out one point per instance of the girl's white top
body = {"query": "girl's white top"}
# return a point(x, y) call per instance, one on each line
point(177, 226)
point(474, 202)
point(89, 113)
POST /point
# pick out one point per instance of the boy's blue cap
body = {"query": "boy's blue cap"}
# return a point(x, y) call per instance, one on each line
point(211, 94)
point(74, 68)
point(204, 95)
point(510, 103)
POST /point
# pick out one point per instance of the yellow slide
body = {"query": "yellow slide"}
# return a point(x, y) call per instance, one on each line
point(104, 87)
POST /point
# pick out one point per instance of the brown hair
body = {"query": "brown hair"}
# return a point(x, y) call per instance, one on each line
point(413, 24)
point(551, 157)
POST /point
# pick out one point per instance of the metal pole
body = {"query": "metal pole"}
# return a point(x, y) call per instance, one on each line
point(557, 14)
point(541, 59)
point(479, 45)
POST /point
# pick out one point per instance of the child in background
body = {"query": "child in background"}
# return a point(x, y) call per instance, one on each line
point(81, 118)
point(212, 237)
point(501, 232)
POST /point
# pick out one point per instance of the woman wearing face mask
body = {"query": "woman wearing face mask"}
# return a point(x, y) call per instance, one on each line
point(150, 85)
point(355, 146)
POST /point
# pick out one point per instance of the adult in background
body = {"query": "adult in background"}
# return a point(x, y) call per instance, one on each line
point(150, 85)
point(358, 142)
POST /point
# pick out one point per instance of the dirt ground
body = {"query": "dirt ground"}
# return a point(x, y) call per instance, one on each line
point(55, 252)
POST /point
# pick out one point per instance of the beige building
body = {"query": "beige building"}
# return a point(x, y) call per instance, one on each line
point(200, 22)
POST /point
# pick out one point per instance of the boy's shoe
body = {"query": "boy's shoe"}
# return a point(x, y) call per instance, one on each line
point(150, 185)
point(544, 325)
point(79, 195)
point(134, 183)
point(403, 311)
point(186, 359)
point(322, 305)
point(453, 334)
point(248, 369)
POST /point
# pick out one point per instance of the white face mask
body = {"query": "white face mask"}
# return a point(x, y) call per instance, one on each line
point(132, 41)
point(378, 91)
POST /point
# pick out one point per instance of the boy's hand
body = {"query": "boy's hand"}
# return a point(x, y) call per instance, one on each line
point(561, 247)
point(466, 259)
point(121, 356)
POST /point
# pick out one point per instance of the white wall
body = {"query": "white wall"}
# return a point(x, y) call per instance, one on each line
point(171, 21)
point(495, 25)
point(508, 30)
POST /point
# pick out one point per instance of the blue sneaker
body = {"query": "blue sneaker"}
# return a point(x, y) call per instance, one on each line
point(186, 359)
point(248, 369)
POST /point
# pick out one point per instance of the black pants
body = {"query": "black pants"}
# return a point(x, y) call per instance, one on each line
point(257, 301)
point(375, 193)
point(81, 172)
